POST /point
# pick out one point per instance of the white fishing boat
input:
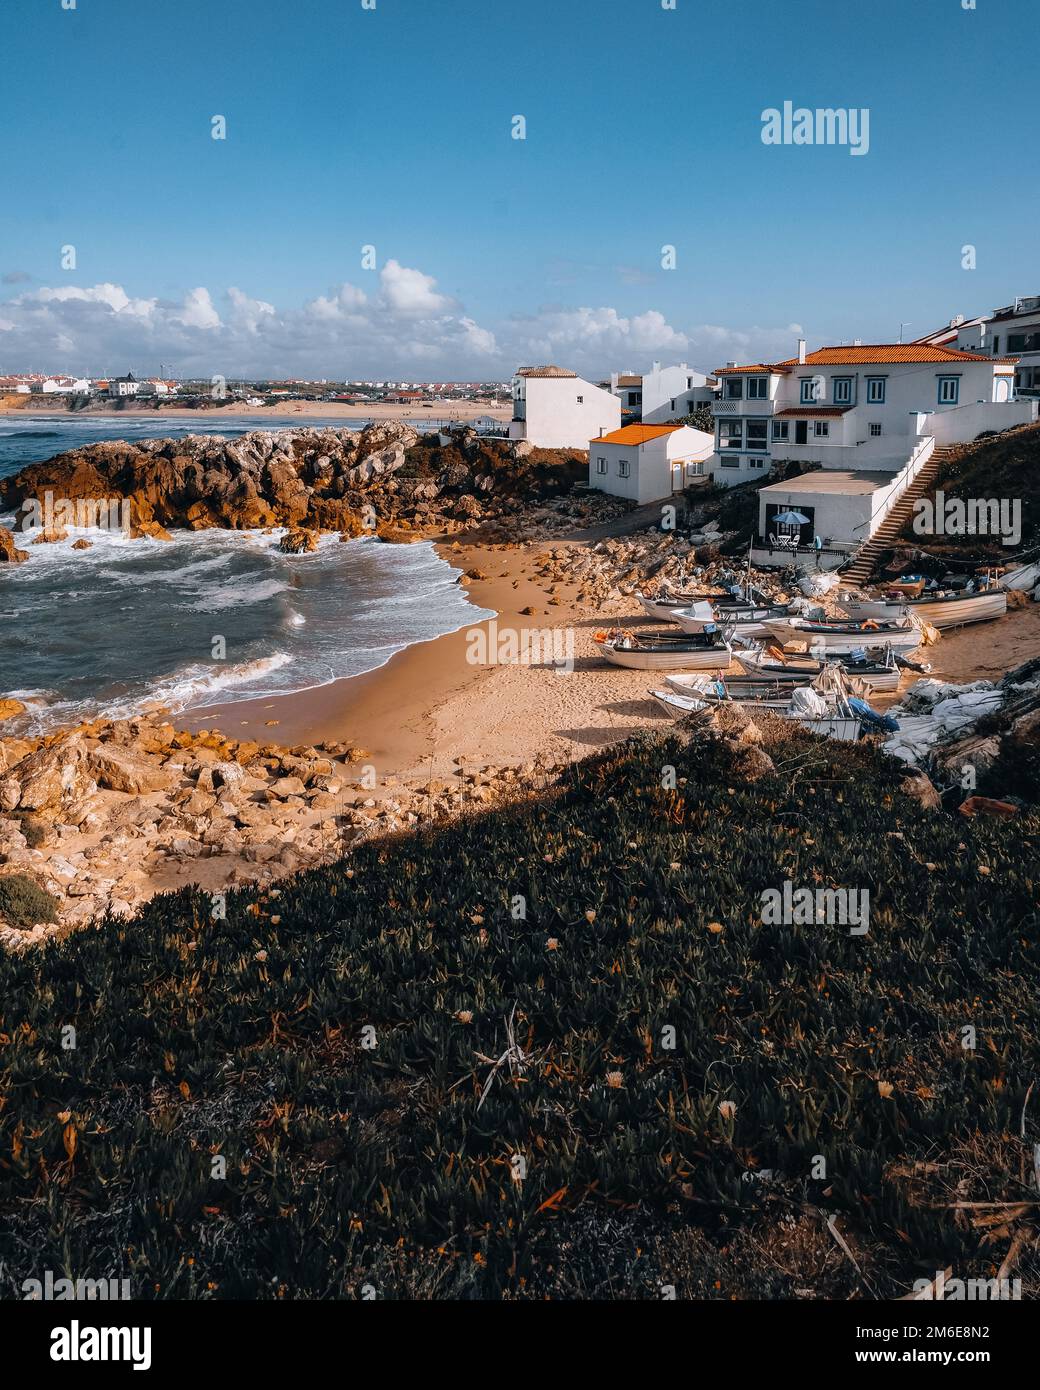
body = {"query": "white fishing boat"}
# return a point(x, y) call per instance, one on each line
point(645, 651)
point(942, 610)
point(843, 638)
point(665, 604)
point(743, 623)
point(813, 713)
point(877, 669)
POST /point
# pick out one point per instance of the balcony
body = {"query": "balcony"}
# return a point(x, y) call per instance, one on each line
point(742, 407)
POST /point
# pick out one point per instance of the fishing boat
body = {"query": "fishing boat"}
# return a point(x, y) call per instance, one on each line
point(651, 651)
point(943, 608)
point(664, 605)
point(843, 638)
point(743, 623)
point(876, 668)
point(813, 712)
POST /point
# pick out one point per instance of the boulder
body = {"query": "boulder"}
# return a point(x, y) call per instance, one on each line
point(298, 541)
point(9, 708)
point(122, 770)
point(9, 552)
point(51, 774)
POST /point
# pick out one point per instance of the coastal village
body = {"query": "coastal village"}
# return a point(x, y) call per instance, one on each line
point(629, 535)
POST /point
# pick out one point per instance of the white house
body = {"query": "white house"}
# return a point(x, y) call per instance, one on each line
point(123, 385)
point(669, 393)
point(648, 462)
point(554, 408)
point(869, 416)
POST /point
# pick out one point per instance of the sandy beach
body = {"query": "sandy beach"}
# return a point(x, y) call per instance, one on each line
point(428, 711)
point(293, 411)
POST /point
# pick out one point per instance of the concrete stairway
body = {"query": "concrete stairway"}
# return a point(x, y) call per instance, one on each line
point(885, 537)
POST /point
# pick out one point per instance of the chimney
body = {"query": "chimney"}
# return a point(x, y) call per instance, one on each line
point(613, 383)
point(801, 352)
point(657, 366)
point(731, 364)
point(857, 342)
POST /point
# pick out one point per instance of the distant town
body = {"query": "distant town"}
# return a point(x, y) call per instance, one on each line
point(204, 391)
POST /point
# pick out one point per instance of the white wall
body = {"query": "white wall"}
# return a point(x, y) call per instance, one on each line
point(664, 385)
point(555, 418)
point(656, 469)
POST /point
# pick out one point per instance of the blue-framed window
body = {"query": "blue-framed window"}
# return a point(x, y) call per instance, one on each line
point(757, 434)
point(758, 388)
point(949, 390)
point(843, 390)
point(734, 388)
point(808, 390)
point(876, 390)
point(731, 434)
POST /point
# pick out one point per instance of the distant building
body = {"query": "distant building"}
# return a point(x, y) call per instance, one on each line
point(648, 462)
point(554, 408)
point(124, 386)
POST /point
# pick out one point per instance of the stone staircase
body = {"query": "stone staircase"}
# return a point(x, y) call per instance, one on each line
point(885, 537)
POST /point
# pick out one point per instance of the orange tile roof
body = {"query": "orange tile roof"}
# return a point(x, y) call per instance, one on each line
point(885, 354)
point(549, 371)
point(871, 355)
point(636, 434)
point(755, 367)
point(811, 412)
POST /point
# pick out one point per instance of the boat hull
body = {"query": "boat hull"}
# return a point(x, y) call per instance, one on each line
point(839, 643)
point(941, 613)
point(695, 659)
point(881, 678)
point(845, 728)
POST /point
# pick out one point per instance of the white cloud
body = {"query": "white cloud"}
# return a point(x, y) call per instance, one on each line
point(405, 328)
point(410, 291)
point(198, 311)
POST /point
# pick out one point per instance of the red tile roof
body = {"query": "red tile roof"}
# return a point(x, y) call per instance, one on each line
point(871, 355)
point(811, 412)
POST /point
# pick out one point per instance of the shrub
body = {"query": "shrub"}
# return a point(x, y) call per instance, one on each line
point(23, 903)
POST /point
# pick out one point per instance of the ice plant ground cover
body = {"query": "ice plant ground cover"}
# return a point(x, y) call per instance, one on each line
point(551, 1051)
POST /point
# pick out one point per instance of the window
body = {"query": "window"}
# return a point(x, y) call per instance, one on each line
point(949, 390)
point(758, 388)
point(821, 429)
point(730, 463)
point(757, 434)
point(581, 400)
point(875, 431)
point(810, 390)
point(876, 390)
point(734, 388)
point(757, 463)
point(1016, 342)
point(996, 344)
point(843, 390)
point(781, 431)
point(622, 468)
point(731, 434)
point(601, 465)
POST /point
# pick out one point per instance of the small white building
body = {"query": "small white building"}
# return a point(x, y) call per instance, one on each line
point(123, 385)
point(670, 393)
point(648, 462)
point(554, 408)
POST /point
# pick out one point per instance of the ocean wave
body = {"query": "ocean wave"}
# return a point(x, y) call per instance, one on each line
point(238, 592)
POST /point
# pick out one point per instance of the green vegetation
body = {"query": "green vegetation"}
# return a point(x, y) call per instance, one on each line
point(430, 1158)
point(1004, 466)
point(23, 903)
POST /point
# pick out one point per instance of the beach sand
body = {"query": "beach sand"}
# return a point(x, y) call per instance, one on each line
point(282, 415)
point(428, 710)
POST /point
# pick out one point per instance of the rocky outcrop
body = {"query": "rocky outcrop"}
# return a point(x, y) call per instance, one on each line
point(9, 552)
point(315, 480)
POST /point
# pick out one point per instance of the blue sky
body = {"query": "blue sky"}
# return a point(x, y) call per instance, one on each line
point(392, 127)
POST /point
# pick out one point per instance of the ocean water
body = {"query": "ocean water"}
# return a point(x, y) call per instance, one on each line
point(106, 630)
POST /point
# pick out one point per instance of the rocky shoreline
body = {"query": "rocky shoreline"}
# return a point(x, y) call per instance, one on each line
point(105, 815)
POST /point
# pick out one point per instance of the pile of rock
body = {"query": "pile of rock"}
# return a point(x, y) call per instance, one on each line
point(379, 479)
